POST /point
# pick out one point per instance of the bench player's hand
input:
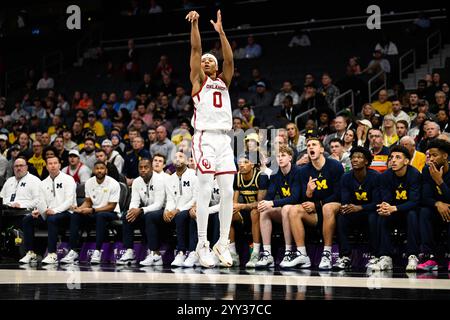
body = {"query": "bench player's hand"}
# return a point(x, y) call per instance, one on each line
point(192, 16)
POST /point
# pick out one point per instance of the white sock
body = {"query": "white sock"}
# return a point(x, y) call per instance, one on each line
point(267, 247)
point(302, 250)
point(288, 247)
point(232, 247)
point(327, 248)
point(256, 247)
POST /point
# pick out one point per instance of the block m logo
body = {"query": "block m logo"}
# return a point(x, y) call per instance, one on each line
point(361, 196)
point(322, 184)
point(401, 195)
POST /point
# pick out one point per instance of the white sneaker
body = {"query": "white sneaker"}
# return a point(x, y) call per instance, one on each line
point(236, 259)
point(179, 259)
point(254, 257)
point(325, 262)
point(152, 259)
point(296, 259)
point(30, 257)
point(287, 258)
point(127, 258)
point(205, 255)
point(51, 258)
point(343, 263)
point(224, 254)
point(372, 261)
point(265, 260)
point(384, 263)
point(191, 260)
point(413, 261)
point(70, 258)
point(96, 257)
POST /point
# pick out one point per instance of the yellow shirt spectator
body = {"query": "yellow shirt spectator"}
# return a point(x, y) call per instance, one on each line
point(382, 108)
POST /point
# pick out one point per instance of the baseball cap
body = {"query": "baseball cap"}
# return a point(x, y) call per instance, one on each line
point(106, 142)
point(75, 152)
point(260, 84)
point(252, 136)
point(365, 122)
point(91, 113)
point(15, 147)
point(3, 137)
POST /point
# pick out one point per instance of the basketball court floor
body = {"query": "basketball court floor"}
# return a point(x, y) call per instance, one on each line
point(110, 282)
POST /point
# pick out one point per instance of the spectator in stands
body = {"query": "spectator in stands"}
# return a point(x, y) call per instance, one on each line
point(147, 201)
point(328, 89)
point(147, 86)
point(378, 150)
point(262, 98)
point(132, 158)
point(424, 107)
point(383, 106)
point(168, 87)
point(386, 46)
point(86, 103)
point(128, 102)
point(397, 112)
point(45, 82)
point(353, 66)
point(418, 158)
point(238, 52)
point(257, 77)
point(324, 121)
point(18, 112)
point(300, 39)
point(443, 120)
point(340, 125)
point(12, 154)
point(130, 66)
point(100, 155)
point(53, 209)
point(286, 90)
point(217, 50)
point(237, 124)
point(87, 155)
point(412, 106)
point(101, 205)
point(377, 64)
point(440, 102)
point(154, 7)
point(163, 68)
point(446, 90)
point(181, 99)
point(349, 140)
point(296, 140)
point(68, 143)
point(61, 153)
point(112, 155)
point(401, 127)
point(253, 49)
point(241, 102)
point(4, 144)
point(37, 161)
point(339, 154)
point(95, 125)
point(432, 131)
point(163, 145)
point(367, 112)
point(389, 132)
point(289, 111)
point(310, 99)
point(248, 120)
point(24, 144)
point(3, 116)
point(400, 195)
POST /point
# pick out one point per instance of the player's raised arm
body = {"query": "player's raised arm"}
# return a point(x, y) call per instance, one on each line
point(228, 63)
point(197, 75)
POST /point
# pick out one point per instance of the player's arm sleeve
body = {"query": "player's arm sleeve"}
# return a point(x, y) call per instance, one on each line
point(428, 198)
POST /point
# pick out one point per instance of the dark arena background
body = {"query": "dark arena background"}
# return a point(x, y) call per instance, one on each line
point(354, 95)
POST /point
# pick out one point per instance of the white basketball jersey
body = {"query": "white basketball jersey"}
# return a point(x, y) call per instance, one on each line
point(212, 106)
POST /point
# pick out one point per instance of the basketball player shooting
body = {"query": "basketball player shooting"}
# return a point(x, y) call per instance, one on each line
point(211, 145)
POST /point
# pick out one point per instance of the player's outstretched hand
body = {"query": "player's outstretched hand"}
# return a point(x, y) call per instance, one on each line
point(218, 24)
point(192, 16)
